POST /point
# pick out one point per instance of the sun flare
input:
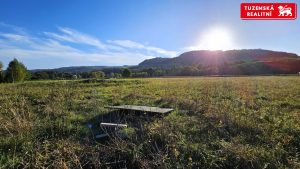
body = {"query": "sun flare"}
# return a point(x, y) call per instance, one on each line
point(216, 39)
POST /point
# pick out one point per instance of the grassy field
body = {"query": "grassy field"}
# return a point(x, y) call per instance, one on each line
point(218, 122)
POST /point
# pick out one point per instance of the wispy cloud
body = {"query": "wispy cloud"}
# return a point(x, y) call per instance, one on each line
point(15, 37)
point(135, 45)
point(70, 45)
point(13, 28)
point(70, 35)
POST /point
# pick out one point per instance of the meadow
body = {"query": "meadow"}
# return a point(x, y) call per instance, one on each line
point(218, 122)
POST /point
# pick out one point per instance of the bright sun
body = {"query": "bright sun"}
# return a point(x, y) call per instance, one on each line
point(216, 39)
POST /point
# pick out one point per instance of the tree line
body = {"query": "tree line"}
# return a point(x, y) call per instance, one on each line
point(17, 71)
point(99, 74)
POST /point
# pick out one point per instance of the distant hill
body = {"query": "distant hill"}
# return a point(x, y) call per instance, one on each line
point(251, 61)
point(76, 69)
point(154, 62)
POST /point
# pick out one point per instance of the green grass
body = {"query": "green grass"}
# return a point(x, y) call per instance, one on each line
point(218, 122)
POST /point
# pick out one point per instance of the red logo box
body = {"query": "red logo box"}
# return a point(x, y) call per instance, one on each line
point(268, 11)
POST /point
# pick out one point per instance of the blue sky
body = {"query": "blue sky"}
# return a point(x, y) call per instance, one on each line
point(56, 33)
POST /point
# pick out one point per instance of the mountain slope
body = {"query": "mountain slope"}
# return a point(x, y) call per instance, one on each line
point(252, 61)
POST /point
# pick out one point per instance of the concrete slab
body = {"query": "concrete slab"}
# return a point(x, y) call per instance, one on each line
point(157, 110)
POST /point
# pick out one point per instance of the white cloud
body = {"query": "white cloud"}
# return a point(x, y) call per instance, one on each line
point(70, 35)
point(126, 43)
point(66, 44)
point(14, 37)
point(135, 45)
point(14, 28)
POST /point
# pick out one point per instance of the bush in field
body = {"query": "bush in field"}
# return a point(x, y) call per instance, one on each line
point(16, 72)
point(115, 75)
point(126, 73)
point(140, 74)
point(97, 75)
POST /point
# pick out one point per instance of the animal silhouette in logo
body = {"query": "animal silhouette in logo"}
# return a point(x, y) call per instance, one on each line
point(285, 11)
